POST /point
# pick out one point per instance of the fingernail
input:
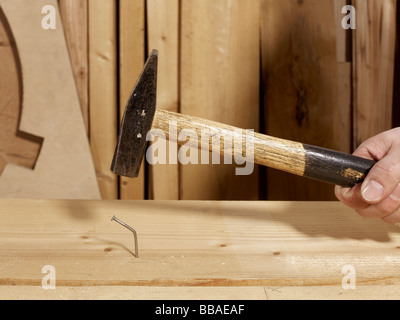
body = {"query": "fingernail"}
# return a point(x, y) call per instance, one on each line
point(395, 196)
point(373, 191)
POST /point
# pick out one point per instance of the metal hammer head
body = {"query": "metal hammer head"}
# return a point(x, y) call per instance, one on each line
point(137, 121)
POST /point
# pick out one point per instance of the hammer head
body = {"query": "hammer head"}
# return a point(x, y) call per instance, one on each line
point(137, 121)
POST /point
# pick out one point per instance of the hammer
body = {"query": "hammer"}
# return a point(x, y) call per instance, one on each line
point(140, 116)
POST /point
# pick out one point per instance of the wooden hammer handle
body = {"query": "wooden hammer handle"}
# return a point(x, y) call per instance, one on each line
point(293, 157)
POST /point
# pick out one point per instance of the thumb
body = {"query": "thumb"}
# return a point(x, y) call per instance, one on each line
point(383, 178)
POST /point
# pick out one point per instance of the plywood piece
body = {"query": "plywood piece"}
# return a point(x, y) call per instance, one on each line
point(163, 35)
point(194, 243)
point(74, 15)
point(50, 110)
point(16, 147)
point(103, 91)
point(131, 61)
point(306, 90)
point(220, 81)
point(374, 43)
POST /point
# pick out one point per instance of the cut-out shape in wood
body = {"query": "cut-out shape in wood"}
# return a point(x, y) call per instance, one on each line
point(50, 109)
point(17, 147)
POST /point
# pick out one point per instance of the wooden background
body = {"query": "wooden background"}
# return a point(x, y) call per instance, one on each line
point(285, 68)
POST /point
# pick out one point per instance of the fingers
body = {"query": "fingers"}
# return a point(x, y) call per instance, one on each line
point(351, 197)
point(383, 178)
point(388, 209)
point(379, 195)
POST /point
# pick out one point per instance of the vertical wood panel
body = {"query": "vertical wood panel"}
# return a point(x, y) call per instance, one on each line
point(220, 81)
point(302, 90)
point(163, 31)
point(131, 61)
point(74, 15)
point(396, 86)
point(103, 91)
point(373, 63)
point(343, 36)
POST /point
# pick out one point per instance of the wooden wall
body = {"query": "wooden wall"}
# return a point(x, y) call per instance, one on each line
point(306, 87)
point(285, 68)
point(396, 95)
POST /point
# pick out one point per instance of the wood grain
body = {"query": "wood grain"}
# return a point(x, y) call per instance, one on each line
point(343, 36)
point(194, 243)
point(362, 292)
point(396, 93)
point(220, 82)
point(302, 88)
point(50, 110)
point(251, 148)
point(103, 91)
point(74, 15)
point(232, 142)
point(373, 67)
point(143, 293)
point(131, 61)
point(16, 147)
point(163, 35)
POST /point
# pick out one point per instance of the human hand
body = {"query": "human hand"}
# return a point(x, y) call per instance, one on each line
point(379, 195)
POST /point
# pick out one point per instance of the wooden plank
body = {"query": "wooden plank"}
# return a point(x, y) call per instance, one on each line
point(103, 91)
point(16, 147)
point(74, 15)
point(306, 91)
point(131, 61)
point(342, 125)
point(343, 36)
point(51, 110)
point(163, 29)
point(134, 293)
point(220, 81)
point(194, 243)
point(373, 63)
point(364, 292)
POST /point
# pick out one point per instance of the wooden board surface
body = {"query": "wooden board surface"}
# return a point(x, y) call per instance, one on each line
point(220, 72)
point(103, 94)
point(377, 292)
point(306, 90)
point(131, 60)
point(297, 247)
point(50, 110)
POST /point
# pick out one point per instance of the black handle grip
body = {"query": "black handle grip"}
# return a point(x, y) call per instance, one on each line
point(335, 167)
